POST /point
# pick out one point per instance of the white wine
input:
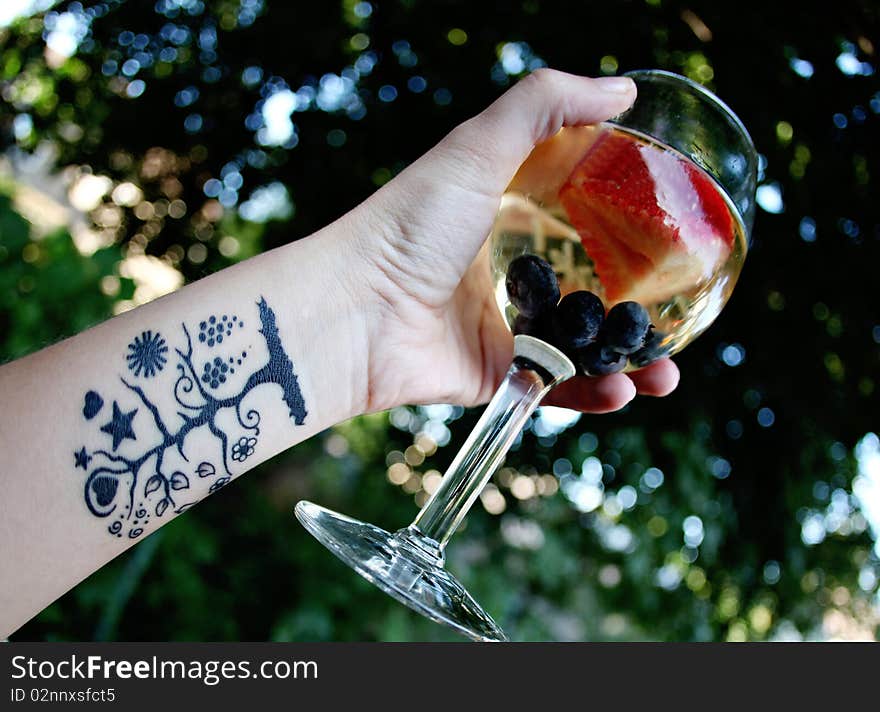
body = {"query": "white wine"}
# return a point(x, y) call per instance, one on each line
point(627, 218)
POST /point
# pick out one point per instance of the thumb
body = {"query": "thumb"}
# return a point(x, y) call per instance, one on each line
point(488, 149)
point(470, 168)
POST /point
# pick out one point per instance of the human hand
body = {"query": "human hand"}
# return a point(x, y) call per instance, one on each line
point(436, 334)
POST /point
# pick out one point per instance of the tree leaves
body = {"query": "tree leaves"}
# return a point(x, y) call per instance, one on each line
point(162, 506)
point(154, 483)
point(205, 469)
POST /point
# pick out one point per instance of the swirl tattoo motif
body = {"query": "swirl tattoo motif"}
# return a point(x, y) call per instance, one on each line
point(132, 490)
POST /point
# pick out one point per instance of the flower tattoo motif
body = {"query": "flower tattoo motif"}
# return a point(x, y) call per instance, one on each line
point(243, 449)
point(222, 482)
point(146, 354)
point(129, 488)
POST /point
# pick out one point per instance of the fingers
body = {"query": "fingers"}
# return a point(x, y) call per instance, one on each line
point(607, 394)
point(439, 210)
point(658, 379)
point(594, 395)
point(533, 110)
point(546, 100)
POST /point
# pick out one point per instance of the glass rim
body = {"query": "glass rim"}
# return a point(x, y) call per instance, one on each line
point(673, 78)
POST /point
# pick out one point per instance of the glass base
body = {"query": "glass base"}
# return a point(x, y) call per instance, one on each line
point(395, 566)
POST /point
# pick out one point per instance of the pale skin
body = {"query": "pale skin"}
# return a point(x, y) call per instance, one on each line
point(388, 305)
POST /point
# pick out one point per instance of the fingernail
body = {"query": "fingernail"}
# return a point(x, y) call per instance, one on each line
point(616, 85)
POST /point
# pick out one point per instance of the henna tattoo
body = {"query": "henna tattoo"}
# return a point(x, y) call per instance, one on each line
point(216, 372)
point(133, 488)
point(213, 329)
point(119, 427)
point(92, 404)
point(147, 354)
point(221, 482)
point(205, 469)
point(243, 449)
point(82, 459)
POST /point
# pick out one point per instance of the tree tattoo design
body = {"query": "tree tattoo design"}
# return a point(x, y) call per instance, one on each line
point(131, 490)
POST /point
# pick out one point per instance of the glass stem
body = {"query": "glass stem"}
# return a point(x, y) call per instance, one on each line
point(515, 400)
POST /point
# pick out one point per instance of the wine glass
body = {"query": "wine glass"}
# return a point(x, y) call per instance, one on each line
point(654, 206)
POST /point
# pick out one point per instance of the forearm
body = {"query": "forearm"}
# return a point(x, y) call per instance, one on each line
point(108, 435)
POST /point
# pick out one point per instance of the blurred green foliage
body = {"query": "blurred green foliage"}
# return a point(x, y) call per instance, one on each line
point(725, 511)
point(40, 280)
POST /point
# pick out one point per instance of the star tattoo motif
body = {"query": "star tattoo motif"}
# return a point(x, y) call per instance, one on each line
point(119, 428)
point(82, 459)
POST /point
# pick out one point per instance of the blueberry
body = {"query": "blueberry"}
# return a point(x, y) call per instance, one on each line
point(540, 326)
point(224, 368)
point(203, 325)
point(651, 351)
point(213, 319)
point(598, 359)
point(217, 360)
point(219, 338)
point(626, 327)
point(577, 319)
point(210, 342)
point(206, 377)
point(531, 285)
point(211, 331)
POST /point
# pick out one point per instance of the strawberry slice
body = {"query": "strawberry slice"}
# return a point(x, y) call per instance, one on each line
point(715, 210)
point(653, 224)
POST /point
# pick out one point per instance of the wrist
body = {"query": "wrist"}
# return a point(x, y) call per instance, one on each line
point(365, 244)
point(329, 289)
